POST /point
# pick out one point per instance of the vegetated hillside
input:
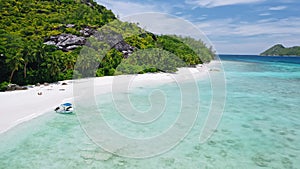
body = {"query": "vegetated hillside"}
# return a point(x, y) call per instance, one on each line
point(24, 26)
point(42, 40)
point(280, 50)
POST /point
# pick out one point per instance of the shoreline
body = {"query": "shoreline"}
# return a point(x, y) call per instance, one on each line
point(25, 105)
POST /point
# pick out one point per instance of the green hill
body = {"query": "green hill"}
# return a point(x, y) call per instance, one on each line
point(280, 50)
point(45, 40)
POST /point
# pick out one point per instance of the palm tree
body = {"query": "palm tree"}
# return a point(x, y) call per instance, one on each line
point(14, 61)
point(28, 56)
point(52, 64)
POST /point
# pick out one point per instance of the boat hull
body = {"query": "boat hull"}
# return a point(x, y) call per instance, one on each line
point(64, 112)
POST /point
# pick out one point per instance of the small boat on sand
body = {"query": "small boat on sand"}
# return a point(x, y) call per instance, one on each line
point(65, 108)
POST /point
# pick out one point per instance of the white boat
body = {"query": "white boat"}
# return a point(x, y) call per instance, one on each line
point(65, 108)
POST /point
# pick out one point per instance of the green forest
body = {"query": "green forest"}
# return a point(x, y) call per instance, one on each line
point(280, 50)
point(28, 27)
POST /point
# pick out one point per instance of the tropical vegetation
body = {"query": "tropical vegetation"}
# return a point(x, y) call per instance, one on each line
point(25, 58)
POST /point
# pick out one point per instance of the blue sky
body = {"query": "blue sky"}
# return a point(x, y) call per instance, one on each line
point(232, 26)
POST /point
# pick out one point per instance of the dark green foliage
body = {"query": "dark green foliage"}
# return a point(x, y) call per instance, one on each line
point(3, 86)
point(152, 53)
point(144, 40)
point(180, 49)
point(280, 50)
point(204, 53)
point(151, 60)
point(25, 24)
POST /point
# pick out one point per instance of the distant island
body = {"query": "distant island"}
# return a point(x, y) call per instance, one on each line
point(280, 50)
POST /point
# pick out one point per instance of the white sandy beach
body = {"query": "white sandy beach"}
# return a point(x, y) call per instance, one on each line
point(20, 106)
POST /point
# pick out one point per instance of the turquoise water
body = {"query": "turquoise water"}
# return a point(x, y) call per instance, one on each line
point(260, 127)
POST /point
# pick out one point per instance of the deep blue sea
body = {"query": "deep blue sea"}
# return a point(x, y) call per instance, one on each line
point(259, 128)
point(257, 59)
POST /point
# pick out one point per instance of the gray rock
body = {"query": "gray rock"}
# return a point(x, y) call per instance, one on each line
point(12, 87)
point(66, 42)
point(87, 32)
point(72, 47)
point(70, 25)
point(22, 88)
point(125, 48)
point(50, 43)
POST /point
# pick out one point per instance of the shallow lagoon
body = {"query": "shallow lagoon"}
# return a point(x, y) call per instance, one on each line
point(260, 127)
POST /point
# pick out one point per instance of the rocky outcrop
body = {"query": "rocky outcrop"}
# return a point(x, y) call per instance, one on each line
point(70, 26)
point(87, 32)
point(66, 42)
point(114, 40)
point(125, 48)
point(12, 87)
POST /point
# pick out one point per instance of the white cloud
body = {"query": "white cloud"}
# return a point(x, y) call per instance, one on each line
point(262, 27)
point(227, 35)
point(264, 14)
point(220, 26)
point(267, 20)
point(155, 18)
point(178, 13)
point(166, 24)
point(216, 3)
point(277, 8)
point(251, 37)
point(271, 27)
point(123, 9)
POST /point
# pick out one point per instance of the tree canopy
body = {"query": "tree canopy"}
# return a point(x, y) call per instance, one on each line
point(114, 48)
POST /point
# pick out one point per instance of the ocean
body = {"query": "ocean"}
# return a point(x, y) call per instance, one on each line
point(259, 127)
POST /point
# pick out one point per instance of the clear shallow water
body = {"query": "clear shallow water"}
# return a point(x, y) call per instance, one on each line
point(260, 127)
